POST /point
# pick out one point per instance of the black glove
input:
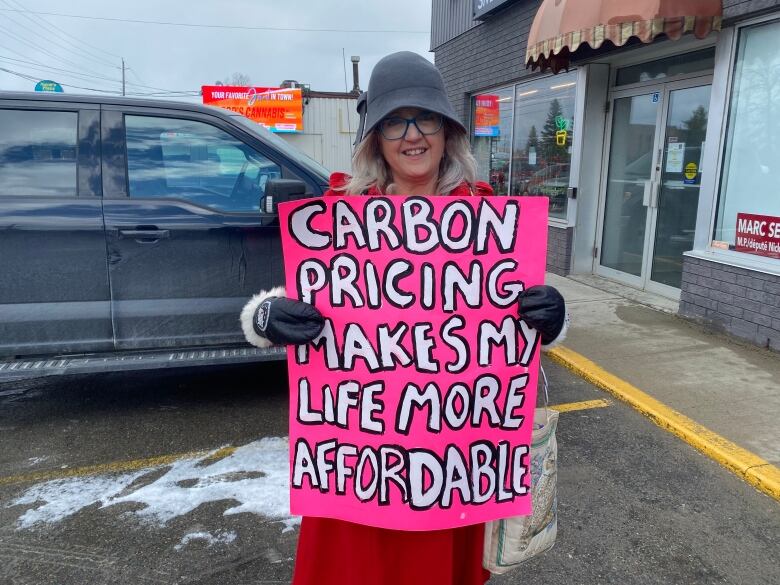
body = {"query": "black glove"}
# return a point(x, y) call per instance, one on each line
point(543, 308)
point(284, 321)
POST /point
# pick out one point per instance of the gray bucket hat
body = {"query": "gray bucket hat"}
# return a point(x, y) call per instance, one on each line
point(403, 80)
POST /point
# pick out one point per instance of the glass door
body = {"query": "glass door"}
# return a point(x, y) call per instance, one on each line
point(630, 172)
point(676, 199)
point(653, 177)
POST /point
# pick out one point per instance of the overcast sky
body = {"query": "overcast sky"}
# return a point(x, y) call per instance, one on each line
point(184, 58)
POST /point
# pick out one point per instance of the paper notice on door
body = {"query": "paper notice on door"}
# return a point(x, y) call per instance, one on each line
point(675, 154)
point(532, 156)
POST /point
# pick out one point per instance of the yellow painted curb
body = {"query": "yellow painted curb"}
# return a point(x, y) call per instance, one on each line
point(749, 466)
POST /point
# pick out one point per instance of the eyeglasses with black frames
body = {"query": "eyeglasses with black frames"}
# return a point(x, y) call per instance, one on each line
point(396, 127)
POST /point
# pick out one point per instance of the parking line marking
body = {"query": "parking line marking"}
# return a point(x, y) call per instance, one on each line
point(584, 405)
point(749, 466)
point(209, 457)
point(115, 467)
point(218, 455)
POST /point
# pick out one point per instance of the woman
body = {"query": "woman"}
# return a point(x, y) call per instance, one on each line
point(410, 143)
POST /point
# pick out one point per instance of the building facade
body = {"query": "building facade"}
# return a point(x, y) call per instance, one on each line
point(656, 142)
point(330, 122)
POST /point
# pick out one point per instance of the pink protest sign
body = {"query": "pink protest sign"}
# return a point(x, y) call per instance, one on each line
point(413, 409)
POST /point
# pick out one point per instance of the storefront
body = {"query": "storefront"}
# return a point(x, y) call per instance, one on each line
point(528, 150)
point(656, 138)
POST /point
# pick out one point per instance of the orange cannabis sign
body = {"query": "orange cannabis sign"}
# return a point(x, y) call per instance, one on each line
point(278, 109)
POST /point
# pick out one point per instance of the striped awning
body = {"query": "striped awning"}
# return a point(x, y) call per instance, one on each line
point(561, 27)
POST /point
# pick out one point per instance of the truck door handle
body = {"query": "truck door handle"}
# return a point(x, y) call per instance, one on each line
point(145, 236)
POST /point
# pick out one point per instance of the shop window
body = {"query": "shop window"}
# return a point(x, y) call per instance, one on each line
point(534, 157)
point(491, 137)
point(748, 218)
point(663, 69)
point(543, 133)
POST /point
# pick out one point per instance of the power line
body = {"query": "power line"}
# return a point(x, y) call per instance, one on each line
point(162, 89)
point(17, 32)
point(89, 55)
point(53, 30)
point(48, 68)
point(164, 94)
point(55, 27)
point(59, 45)
point(183, 93)
point(67, 72)
point(31, 78)
point(42, 67)
point(138, 77)
point(43, 49)
point(18, 53)
point(220, 26)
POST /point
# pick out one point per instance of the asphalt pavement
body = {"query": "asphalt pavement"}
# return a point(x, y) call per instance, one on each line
point(636, 504)
point(715, 392)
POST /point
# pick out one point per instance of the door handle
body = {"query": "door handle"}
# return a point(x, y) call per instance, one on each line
point(654, 195)
point(650, 194)
point(145, 236)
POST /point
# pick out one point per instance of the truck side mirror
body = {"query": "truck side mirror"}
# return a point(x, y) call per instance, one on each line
point(279, 191)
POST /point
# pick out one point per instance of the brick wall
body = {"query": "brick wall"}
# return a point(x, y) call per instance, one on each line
point(742, 302)
point(739, 9)
point(490, 54)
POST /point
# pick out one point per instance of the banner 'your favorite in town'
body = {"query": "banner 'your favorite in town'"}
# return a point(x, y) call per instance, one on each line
point(414, 407)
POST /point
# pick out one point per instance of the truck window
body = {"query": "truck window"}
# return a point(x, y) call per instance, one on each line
point(38, 152)
point(194, 161)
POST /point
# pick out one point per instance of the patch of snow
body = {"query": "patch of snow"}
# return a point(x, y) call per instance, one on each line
point(255, 476)
point(210, 539)
point(61, 498)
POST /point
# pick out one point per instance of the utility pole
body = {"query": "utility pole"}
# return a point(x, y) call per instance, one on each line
point(123, 76)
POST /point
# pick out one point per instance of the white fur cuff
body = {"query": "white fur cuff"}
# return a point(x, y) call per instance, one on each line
point(248, 316)
point(561, 336)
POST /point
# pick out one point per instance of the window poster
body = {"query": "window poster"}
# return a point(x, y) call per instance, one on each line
point(758, 234)
point(675, 155)
point(486, 116)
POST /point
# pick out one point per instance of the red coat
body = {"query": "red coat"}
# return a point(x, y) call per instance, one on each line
point(334, 552)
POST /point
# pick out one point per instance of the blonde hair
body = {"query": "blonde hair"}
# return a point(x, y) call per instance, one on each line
point(370, 169)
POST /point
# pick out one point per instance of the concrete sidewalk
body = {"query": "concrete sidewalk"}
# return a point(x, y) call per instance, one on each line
point(730, 388)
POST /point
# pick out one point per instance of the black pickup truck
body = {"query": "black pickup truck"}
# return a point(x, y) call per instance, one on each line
point(132, 231)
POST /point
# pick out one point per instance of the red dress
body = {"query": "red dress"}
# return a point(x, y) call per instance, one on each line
point(335, 552)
